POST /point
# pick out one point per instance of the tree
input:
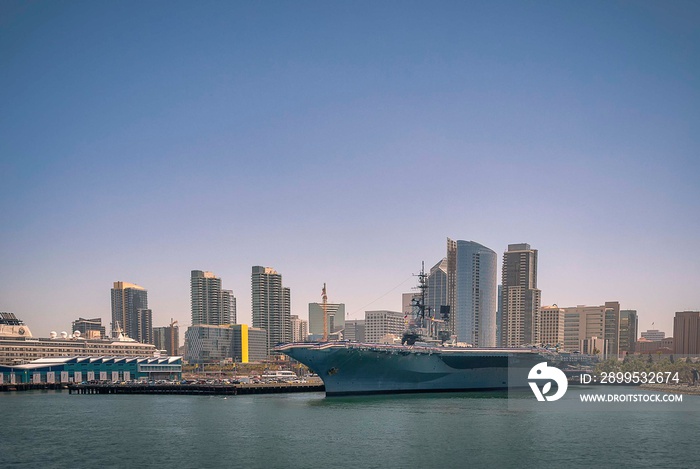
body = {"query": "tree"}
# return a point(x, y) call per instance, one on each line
point(608, 366)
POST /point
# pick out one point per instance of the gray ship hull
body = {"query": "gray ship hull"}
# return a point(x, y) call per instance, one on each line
point(347, 368)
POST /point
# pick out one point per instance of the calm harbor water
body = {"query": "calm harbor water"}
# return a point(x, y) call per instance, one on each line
point(55, 429)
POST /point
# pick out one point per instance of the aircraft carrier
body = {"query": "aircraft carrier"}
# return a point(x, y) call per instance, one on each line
point(353, 368)
point(419, 364)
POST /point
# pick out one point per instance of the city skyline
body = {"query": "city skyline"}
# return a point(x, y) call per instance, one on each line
point(341, 144)
point(359, 314)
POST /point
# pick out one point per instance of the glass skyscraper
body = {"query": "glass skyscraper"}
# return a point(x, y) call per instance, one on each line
point(436, 295)
point(472, 291)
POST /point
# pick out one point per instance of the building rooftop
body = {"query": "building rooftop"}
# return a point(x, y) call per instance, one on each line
point(125, 285)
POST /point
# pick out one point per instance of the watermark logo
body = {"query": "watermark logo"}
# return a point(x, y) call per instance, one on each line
point(542, 372)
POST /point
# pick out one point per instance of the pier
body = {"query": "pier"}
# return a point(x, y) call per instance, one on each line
point(201, 389)
point(9, 387)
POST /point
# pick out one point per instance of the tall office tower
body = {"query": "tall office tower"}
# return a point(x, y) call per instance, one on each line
point(472, 291)
point(300, 328)
point(452, 284)
point(287, 308)
point(159, 337)
point(552, 325)
point(354, 330)
point(379, 324)
point(210, 304)
point(499, 317)
point(89, 328)
point(612, 326)
point(271, 305)
point(144, 326)
point(686, 333)
point(167, 338)
point(628, 330)
point(586, 322)
point(436, 294)
point(228, 306)
point(336, 317)
point(520, 299)
point(127, 300)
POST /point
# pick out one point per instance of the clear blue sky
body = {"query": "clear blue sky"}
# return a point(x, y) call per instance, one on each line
point(342, 142)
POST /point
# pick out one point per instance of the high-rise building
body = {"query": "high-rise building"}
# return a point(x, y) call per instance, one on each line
point(520, 298)
point(628, 330)
point(130, 311)
point(551, 325)
point(472, 292)
point(436, 294)
point(612, 326)
point(167, 338)
point(381, 323)
point(336, 317)
point(451, 285)
point(144, 326)
point(271, 305)
point(654, 335)
point(228, 302)
point(587, 322)
point(300, 329)
point(89, 328)
point(159, 337)
point(354, 330)
point(499, 317)
point(287, 310)
point(211, 305)
point(686, 333)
